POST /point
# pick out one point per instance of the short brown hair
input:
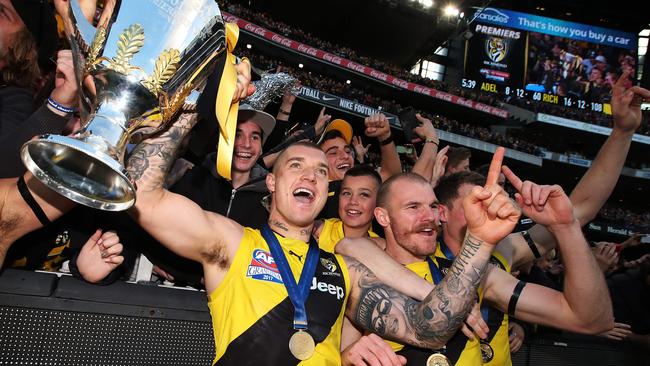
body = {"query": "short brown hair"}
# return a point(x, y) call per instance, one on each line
point(457, 154)
point(447, 189)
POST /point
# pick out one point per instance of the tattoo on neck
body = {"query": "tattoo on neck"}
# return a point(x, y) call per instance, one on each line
point(278, 224)
point(281, 225)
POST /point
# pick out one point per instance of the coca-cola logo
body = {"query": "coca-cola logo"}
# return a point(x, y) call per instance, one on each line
point(422, 90)
point(357, 67)
point(445, 96)
point(230, 18)
point(465, 102)
point(281, 40)
point(401, 83)
point(308, 50)
point(378, 75)
point(255, 29)
point(483, 107)
point(331, 58)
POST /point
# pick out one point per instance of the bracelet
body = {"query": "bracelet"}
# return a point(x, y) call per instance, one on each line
point(512, 304)
point(531, 244)
point(59, 107)
point(386, 141)
point(284, 112)
point(431, 141)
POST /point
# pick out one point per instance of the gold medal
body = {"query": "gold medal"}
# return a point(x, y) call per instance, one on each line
point(487, 353)
point(438, 359)
point(301, 345)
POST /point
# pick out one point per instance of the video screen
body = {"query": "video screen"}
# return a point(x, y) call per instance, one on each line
point(575, 69)
point(546, 59)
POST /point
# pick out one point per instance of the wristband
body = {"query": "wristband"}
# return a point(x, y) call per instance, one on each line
point(284, 112)
point(31, 202)
point(431, 141)
point(59, 107)
point(512, 305)
point(531, 244)
point(386, 141)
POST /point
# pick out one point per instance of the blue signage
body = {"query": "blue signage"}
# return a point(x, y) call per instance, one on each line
point(556, 27)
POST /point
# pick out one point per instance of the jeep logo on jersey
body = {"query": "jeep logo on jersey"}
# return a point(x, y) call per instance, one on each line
point(327, 288)
point(263, 267)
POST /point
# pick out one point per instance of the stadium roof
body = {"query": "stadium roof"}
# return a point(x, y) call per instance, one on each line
point(400, 32)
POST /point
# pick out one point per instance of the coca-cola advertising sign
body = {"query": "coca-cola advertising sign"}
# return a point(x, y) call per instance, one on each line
point(365, 70)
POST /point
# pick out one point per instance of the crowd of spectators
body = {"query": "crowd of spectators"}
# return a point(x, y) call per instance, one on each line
point(102, 248)
point(286, 30)
point(635, 221)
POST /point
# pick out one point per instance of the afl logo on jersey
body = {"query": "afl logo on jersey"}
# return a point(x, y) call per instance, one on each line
point(263, 267)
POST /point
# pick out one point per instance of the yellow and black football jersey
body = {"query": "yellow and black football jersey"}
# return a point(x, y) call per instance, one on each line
point(252, 315)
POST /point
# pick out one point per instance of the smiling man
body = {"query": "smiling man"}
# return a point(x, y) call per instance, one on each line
point(239, 199)
point(335, 142)
point(262, 313)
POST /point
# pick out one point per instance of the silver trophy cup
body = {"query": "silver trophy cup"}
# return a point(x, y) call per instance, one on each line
point(136, 62)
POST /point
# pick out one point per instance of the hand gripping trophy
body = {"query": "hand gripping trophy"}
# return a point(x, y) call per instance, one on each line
point(137, 62)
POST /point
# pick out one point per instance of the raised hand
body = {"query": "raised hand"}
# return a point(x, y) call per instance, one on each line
point(359, 149)
point(65, 83)
point(439, 167)
point(546, 205)
point(371, 350)
point(321, 122)
point(626, 104)
point(244, 88)
point(425, 130)
point(377, 126)
point(490, 213)
point(100, 256)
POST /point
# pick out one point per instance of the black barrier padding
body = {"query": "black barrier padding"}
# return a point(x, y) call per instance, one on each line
point(47, 337)
point(15, 281)
point(132, 294)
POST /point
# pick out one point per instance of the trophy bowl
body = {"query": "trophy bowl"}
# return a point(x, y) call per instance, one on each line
point(136, 62)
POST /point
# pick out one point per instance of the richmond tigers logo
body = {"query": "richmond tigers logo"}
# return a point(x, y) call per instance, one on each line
point(496, 48)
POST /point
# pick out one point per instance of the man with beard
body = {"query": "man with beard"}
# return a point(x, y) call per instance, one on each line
point(409, 211)
point(250, 279)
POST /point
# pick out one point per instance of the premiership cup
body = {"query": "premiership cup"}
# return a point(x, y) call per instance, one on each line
point(136, 63)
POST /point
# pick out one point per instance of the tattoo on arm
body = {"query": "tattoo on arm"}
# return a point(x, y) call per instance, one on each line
point(151, 159)
point(427, 324)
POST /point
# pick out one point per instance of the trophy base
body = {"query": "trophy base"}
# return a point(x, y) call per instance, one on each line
point(79, 172)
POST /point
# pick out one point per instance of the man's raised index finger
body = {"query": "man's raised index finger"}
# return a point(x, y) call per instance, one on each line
point(495, 167)
point(512, 177)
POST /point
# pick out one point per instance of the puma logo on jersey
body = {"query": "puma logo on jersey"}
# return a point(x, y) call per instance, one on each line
point(327, 288)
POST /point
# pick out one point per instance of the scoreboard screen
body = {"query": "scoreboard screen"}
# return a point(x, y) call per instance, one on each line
point(547, 60)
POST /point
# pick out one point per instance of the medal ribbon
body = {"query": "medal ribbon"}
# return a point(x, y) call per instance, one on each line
point(298, 292)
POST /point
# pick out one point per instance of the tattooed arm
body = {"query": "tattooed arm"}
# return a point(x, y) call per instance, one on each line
point(430, 323)
point(174, 220)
